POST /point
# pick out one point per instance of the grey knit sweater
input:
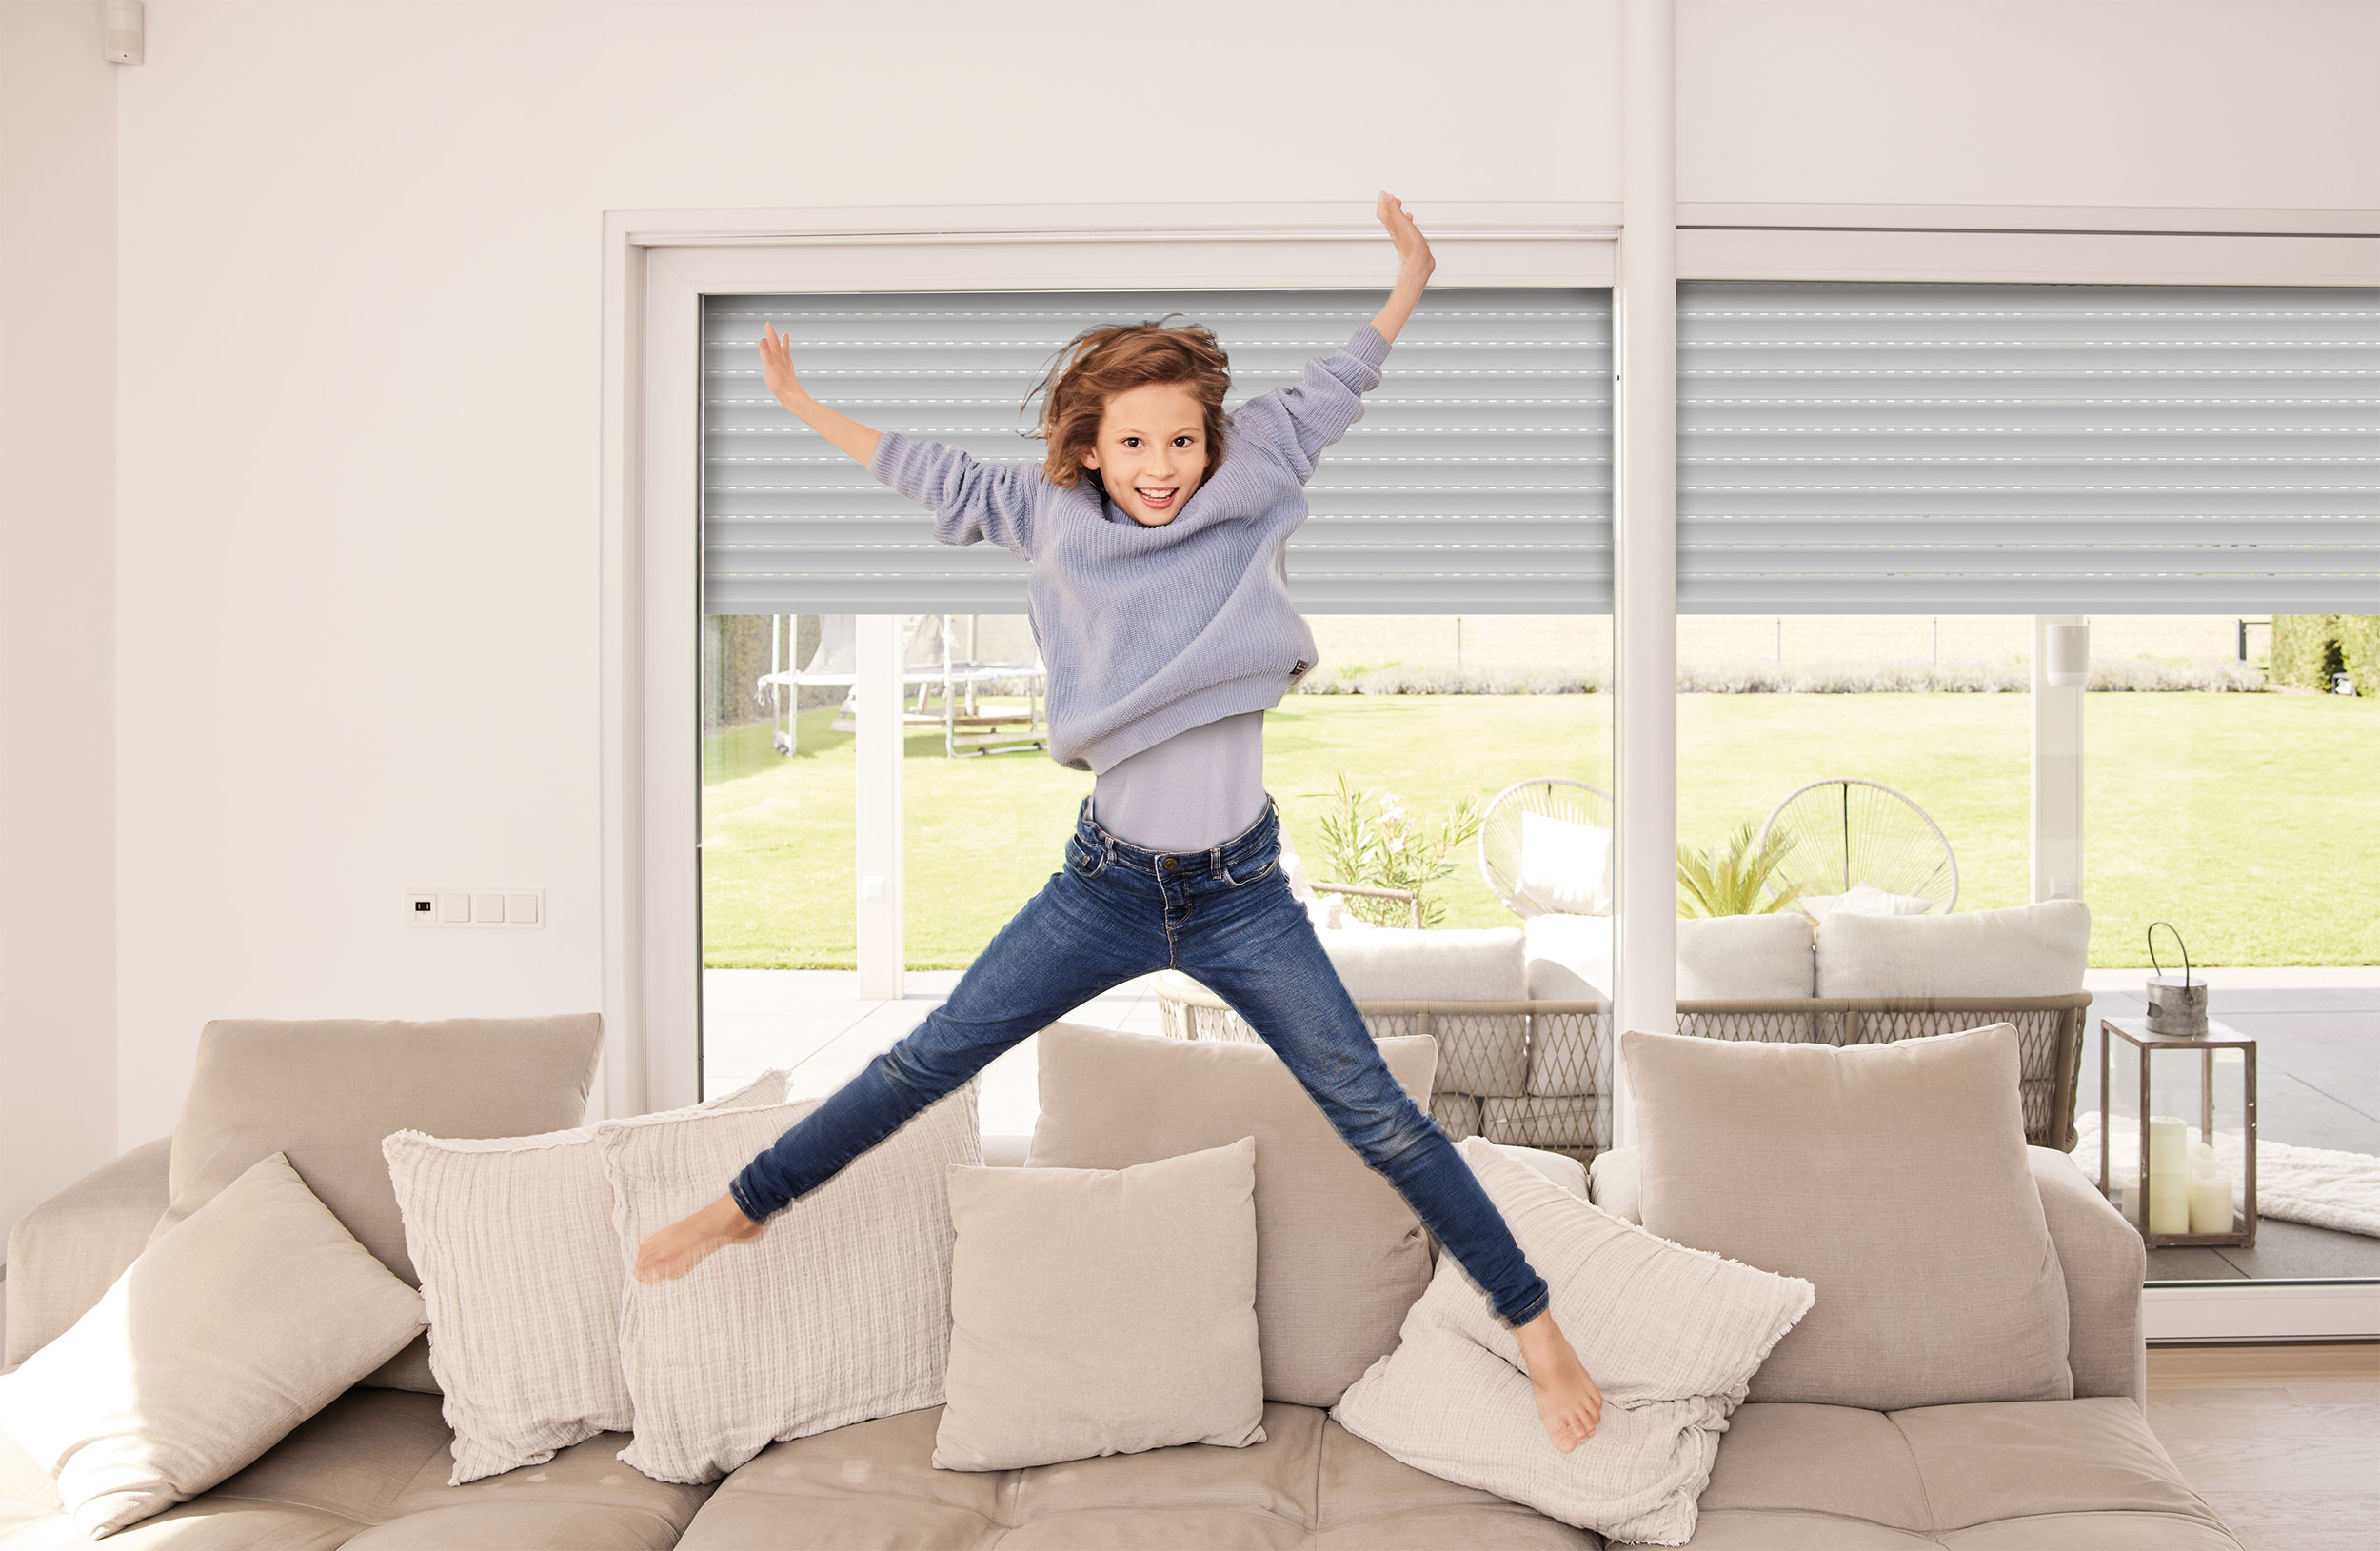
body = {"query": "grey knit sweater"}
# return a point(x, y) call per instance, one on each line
point(1148, 631)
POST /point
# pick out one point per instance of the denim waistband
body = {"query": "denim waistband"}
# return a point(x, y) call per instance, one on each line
point(1218, 860)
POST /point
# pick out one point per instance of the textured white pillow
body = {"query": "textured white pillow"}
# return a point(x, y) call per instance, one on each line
point(520, 1273)
point(838, 1313)
point(253, 1313)
point(2028, 950)
point(1745, 958)
point(1565, 865)
point(1672, 1335)
point(1103, 1311)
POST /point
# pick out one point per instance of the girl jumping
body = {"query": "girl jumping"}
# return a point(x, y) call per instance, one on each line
point(1154, 528)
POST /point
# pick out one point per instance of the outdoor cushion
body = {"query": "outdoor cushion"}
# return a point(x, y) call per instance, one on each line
point(1861, 900)
point(1340, 1255)
point(1762, 958)
point(326, 1092)
point(522, 1277)
point(1892, 1176)
point(1398, 964)
point(1669, 1335)
point(1101, 1311)
point(1565, 866)
point(250, 1316)
point(838, 1312)
point(1309, 1486)
point(2024, 1476)
point(1567, 958)
point(2027, 951)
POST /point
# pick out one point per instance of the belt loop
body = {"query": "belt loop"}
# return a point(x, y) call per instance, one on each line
point(1107, 847)
point(1215, 864)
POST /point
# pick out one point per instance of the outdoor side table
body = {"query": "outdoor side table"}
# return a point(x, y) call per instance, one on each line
point(2177, 1121)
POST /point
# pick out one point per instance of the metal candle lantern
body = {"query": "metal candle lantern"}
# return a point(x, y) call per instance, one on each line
point(2177, 1008)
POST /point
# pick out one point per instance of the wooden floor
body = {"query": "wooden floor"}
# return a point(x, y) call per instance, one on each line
point(2283, 1442)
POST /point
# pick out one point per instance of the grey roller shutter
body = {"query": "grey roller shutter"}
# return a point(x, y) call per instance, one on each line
point(1478, 481)
point(1860, 447)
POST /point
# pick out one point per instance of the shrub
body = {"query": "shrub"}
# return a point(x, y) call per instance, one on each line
point(2305, 650)
point(2359, 651)
point(1731, 879)
point(1382, 847)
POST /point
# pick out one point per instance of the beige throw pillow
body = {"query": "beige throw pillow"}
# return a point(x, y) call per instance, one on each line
point(1669, 1335)
point(840, 1312)
point(325, 1092)
point(1892, 1176)
point(521, 1277)
point(252, 1316)
point(1101, 1311)
point(1340, 1256)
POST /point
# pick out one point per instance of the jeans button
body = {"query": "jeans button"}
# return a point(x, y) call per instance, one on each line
point(1171, 863)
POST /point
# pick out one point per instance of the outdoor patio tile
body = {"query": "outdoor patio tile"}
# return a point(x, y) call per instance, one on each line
point(2289, 1251)
point(2191, 1266)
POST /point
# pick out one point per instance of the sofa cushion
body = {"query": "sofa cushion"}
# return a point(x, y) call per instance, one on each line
point(2025, 1476)
point(2028, 950)
point(1895, 1178)
point(838, 1312)
point(1101, 1311)
point(326, 1092)
point(1565, 865)
point(252, 1315)
point(1398, 963)
point(1340, 1255)
point(68, 1250)
point(1309, 1485)
point(370, 1471)
point(522, 1275)
point(1761, 957)
point(1671, 1336)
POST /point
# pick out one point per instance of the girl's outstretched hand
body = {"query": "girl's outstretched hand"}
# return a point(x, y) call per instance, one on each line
point(1414, 261)
point(776, 366)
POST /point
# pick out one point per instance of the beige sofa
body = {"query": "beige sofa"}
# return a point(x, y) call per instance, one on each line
point(369, 1472)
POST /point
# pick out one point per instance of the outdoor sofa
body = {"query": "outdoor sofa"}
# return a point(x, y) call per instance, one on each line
point(369, 1472)
point(1522, 1014)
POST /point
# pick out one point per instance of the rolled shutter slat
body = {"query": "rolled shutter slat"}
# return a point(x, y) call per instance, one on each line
point(1850, 448)
point(1479, 479)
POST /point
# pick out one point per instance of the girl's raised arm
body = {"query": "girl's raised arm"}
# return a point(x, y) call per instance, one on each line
point(971, 501)
point(777, 370)
point(1413, 266)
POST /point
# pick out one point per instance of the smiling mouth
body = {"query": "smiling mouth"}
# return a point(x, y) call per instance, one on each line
point(1160, 498)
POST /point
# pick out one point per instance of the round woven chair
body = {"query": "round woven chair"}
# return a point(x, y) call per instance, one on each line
point(1500, 826)
point(1848, 831)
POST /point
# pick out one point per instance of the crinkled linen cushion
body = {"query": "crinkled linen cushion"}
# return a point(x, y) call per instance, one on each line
point(254, 1313)
point(1339, 1257)
point(1103, 1311)
point(1672, 1337)
point(1895, 1178)
point(840, 1312)
point(326, 1091)
point(520, 1273)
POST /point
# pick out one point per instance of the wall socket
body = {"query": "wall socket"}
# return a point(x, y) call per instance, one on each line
point(475, 907)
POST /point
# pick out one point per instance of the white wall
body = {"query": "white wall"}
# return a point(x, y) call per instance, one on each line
point(57, 619)
point(356, 602)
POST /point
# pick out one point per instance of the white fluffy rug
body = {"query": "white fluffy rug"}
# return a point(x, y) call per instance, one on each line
point(2316, 1185)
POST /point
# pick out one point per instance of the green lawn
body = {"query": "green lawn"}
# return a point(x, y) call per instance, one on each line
point(2252, 820)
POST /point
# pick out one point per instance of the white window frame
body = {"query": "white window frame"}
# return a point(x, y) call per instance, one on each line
point(659, 266)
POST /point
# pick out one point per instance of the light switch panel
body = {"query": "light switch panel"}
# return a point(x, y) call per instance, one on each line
point(475, 907)
point(522, 911)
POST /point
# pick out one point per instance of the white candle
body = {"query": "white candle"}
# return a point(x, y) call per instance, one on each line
point(2168, 1175)
point(2201, 1156)
point(2209, 1204)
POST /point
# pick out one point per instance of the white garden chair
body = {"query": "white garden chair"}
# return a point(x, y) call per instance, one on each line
point(1545, 848)
point(1847, 832)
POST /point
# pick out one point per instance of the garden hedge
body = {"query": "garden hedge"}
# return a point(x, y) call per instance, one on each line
point(2308, 648)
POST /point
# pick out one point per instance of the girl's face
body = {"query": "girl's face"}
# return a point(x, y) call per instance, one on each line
point(1151, 451)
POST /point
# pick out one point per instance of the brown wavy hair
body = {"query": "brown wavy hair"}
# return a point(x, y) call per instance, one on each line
point(1098, 364)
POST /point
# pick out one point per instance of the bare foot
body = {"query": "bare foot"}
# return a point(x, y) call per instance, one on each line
point(672, 1252)
point(1568, 1401)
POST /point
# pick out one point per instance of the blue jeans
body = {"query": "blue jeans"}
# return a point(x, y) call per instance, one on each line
point(1227, 917)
